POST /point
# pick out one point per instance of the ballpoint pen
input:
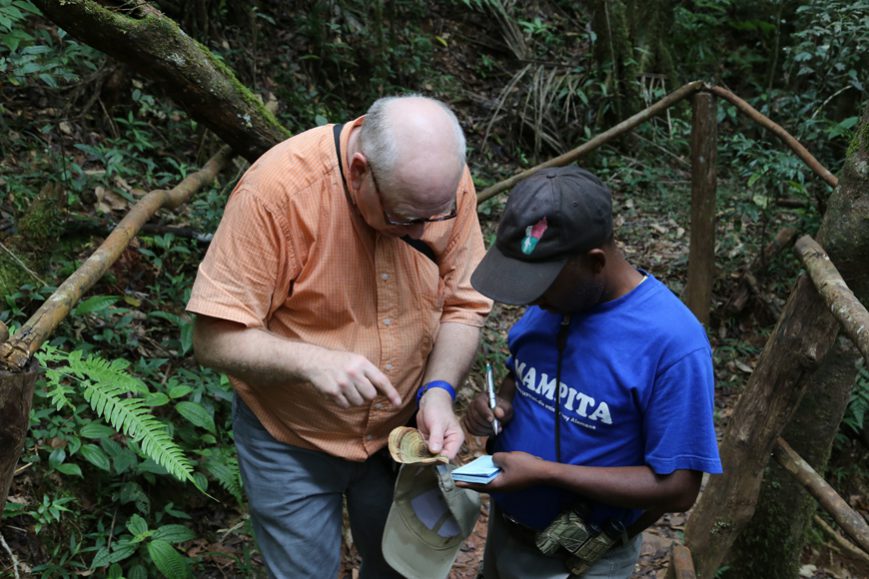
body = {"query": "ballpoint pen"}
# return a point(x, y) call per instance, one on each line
point(490, 388)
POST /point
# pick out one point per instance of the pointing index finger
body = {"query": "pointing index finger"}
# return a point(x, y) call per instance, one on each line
point(384, 386)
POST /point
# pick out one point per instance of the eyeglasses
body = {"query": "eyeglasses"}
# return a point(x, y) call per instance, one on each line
point(451, 214)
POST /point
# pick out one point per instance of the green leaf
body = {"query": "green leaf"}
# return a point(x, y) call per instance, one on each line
point(760, 200)
point(12, 510)
point(186, 337)
point(200, 480)
point(122, 550)
point(174, 534)
point(154, 468)
point(94, 304)
point(24, 5)
point(849, 122)
point(57, 456)
point(156, 399)
point(179, 391)
point(196, 414)
point(754, 178)
point(168, 316)
point(95, 455)
point(168, 561)
point(96, 430)
point(124, 460)
point(69, 469)
point(132, 492)
point(101, 559)
point(73, 444)
point(137, 525)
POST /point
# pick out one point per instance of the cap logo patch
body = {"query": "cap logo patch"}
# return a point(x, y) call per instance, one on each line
point(533, 233)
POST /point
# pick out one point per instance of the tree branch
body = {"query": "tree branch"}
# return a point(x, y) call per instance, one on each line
point(842, 302)
point(599, 140)
point(844, 543)
point(155, 47)
point(16, 352)
point(846, 517)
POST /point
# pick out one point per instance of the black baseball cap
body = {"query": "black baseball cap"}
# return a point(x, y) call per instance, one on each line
point(551, 216)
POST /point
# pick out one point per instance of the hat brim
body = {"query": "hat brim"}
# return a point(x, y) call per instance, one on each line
point(513, 281)
point(410, 556)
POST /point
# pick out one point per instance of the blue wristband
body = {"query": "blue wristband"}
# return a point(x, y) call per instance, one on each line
point(442, 384)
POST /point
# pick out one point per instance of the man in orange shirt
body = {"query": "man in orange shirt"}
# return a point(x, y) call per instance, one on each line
point(336, 296)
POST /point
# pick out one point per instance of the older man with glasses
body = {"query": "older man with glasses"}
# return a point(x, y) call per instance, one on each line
point(340, 306)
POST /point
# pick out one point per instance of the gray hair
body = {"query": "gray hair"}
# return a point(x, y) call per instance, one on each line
point(379, 145)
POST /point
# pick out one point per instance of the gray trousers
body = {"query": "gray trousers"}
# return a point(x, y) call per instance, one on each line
point(296, 501)
point(509, 557)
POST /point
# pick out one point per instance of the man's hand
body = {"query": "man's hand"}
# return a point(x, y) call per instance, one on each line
point(479, 418)
point(348, 379)
point(438, 423)
point(260, 357)
point(518, 471)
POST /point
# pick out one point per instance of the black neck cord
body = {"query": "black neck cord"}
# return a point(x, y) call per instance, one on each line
point(560, 343)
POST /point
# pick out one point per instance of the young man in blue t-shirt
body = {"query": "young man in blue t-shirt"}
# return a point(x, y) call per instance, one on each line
point(606, 413)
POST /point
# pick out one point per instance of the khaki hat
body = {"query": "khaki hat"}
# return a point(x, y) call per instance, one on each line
point(429, 519)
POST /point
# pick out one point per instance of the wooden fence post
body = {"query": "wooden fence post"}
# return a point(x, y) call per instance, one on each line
point(701, 253)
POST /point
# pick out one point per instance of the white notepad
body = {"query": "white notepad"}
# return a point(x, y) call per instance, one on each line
point(481, 470)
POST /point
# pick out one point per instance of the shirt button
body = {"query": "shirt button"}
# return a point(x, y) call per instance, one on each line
point(384, 276)
point(387, 322)
point(378, 406)
point(369, 436)
point(388, 366)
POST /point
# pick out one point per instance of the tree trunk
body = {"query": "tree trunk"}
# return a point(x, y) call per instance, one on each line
point(16, 395)
point(632, 44)
point(771, 543)
point(156, 48)
point(801, 339)
point(614, 53)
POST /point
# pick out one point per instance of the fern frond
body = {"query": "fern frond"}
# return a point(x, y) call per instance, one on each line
point(104, 371)
point(48, 353)
point(224, 468)
point(59, 394)
point(107, 386)
point(133, 418)
point(57, 391)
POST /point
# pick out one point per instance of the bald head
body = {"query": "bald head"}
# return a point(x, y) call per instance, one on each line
point(415, 145)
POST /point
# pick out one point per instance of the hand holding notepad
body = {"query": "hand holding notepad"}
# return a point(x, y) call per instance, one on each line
point(481, 470)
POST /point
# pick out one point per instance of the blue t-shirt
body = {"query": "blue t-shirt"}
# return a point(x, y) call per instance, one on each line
point(637, 388)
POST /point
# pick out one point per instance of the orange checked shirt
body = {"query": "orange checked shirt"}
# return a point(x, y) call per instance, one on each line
point(293, 255)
